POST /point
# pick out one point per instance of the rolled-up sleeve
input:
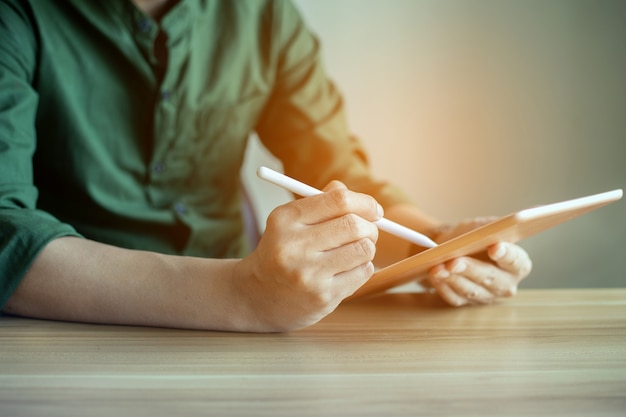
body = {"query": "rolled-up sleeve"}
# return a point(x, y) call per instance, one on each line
point(304, 123)
point(24, 230)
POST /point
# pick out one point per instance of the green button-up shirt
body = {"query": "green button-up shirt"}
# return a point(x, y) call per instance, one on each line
point(132, 132)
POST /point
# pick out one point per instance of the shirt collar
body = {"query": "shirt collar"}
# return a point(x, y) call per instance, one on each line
point(176, 22)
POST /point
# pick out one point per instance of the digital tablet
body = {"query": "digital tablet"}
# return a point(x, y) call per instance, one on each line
point(511, 228)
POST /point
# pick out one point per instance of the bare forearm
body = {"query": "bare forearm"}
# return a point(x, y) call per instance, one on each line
point(315, 252)
point(80, 280)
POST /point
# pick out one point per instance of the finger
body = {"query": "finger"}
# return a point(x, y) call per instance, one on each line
point(511, 258)
point(347, 282)
point(472, 292)
point(464, 287)
point(335, 203)
point(438, 277)
point(334, 185)
point(340, 231)
point(347, 257)
point(320, 208)
point(496, 281)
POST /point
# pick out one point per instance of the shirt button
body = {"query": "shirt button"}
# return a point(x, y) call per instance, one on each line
point(166, 95)
point(144, 25)
point(180, 208)
point(158, 167)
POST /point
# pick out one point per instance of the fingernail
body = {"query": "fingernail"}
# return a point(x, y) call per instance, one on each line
point(458, 267)
point(500, 252)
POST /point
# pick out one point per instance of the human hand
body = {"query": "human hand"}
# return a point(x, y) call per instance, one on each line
point(471, 280)
point(315, 252)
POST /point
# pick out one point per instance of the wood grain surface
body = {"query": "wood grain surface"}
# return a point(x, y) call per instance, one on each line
point(543, 352)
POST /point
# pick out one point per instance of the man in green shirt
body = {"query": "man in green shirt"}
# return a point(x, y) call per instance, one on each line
point(122, 131)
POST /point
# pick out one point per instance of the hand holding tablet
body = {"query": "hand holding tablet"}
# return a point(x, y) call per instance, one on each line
point(511, 228)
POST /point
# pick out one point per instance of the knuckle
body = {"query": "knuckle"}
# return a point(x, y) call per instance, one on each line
point(340, 199)
point(272, 225)
point(359, 228)
point(473, 295)
point(282, 258)
point(351, 223)
point(271, 222)
point(364, 249)
point(277, 217)
point(321, 299)
point(299, 281)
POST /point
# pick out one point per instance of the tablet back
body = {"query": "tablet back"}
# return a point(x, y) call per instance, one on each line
point(511, 228)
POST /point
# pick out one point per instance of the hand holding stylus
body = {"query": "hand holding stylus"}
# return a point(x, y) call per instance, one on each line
point(314, 253)
point(305, 190)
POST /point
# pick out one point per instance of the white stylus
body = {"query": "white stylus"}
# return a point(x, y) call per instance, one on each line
point(304, 190)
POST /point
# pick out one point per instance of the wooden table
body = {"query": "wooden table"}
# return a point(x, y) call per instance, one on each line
point(543, 352)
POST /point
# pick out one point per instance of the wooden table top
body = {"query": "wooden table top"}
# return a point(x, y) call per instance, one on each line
point(543, 352)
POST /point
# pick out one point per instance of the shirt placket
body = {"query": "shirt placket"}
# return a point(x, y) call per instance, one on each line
point(167, 170)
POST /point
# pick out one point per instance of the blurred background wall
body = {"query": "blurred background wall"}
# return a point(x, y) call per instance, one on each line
point(483, 107)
